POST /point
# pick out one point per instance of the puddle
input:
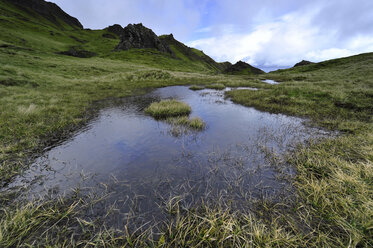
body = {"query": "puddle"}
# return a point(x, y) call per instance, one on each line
point(139, 163)
point(270, 81)
point(239, 88)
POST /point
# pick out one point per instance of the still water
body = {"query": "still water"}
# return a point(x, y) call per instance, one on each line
point(139, 163)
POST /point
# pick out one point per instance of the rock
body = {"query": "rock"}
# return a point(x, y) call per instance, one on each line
point(115, 29)
point(49, 11)
point(76, 52)
point(243, 68)
point(138, 36)
point(303, 62)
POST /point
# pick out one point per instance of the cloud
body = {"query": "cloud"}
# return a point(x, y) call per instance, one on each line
point(305, 33)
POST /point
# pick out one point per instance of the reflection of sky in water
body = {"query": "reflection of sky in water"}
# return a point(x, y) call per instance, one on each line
point(124, 143)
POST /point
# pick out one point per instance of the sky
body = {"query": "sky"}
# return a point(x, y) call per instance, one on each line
point(269, 34)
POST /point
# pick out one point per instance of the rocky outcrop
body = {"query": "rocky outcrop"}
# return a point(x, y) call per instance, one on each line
point(49, 11)
point(303, 62)
point(138, 36)
point(115, 29)
point(243, 68)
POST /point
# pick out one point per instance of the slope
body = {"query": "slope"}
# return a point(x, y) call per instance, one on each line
point(41, 33)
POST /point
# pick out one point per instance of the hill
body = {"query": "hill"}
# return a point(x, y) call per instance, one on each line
point(242, 68)
point(348, 68)
point(44, 28)
point(191, 55)
point(47, 10)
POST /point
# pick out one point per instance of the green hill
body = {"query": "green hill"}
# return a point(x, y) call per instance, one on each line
point(52, 32)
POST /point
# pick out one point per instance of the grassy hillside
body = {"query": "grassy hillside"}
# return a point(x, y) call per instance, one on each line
point(45, 96)
point(192, 55)
point(29, 30)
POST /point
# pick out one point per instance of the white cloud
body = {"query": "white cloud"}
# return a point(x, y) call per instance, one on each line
point(283, 42)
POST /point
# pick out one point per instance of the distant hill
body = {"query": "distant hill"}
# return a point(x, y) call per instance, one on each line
point(353, 64)
point(242, 68)
point(302, 63)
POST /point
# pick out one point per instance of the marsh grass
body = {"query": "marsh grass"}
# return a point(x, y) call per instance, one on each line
point(168, 108)
point(196, 87)
point(217, 86)
point(194, 123)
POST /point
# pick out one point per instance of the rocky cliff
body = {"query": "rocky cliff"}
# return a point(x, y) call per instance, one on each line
point(138, 36)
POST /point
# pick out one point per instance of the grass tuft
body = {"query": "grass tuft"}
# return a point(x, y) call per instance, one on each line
point(196, 87)
point(168, 108)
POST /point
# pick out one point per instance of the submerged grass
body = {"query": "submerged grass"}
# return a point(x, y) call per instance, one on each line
point(168, 108)
point(216, 86)
point(195, 123)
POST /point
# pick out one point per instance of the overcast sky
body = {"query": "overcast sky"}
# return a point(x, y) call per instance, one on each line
point(264, 33)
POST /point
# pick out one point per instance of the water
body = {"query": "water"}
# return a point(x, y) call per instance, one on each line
point(270, 81)
point(139, 163)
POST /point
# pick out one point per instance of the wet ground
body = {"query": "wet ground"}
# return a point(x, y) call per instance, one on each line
point(138, 164)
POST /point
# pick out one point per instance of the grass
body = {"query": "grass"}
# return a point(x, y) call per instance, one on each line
point(217, 86)
point(45, 97)
point(196, 87)
point(195, 123)
point(168, 108)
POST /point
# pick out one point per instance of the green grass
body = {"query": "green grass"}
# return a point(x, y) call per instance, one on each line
point(217, 86)
point(196, 87)
point(168, 108)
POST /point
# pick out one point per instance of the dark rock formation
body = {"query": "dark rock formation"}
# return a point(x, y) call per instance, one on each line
point(138, 36)
point(77, 52)
point(243, 68)
point(115, 29)
point(49, 11)
point(303, 62)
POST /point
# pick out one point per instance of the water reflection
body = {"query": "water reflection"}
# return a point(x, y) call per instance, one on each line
point(138, 164)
